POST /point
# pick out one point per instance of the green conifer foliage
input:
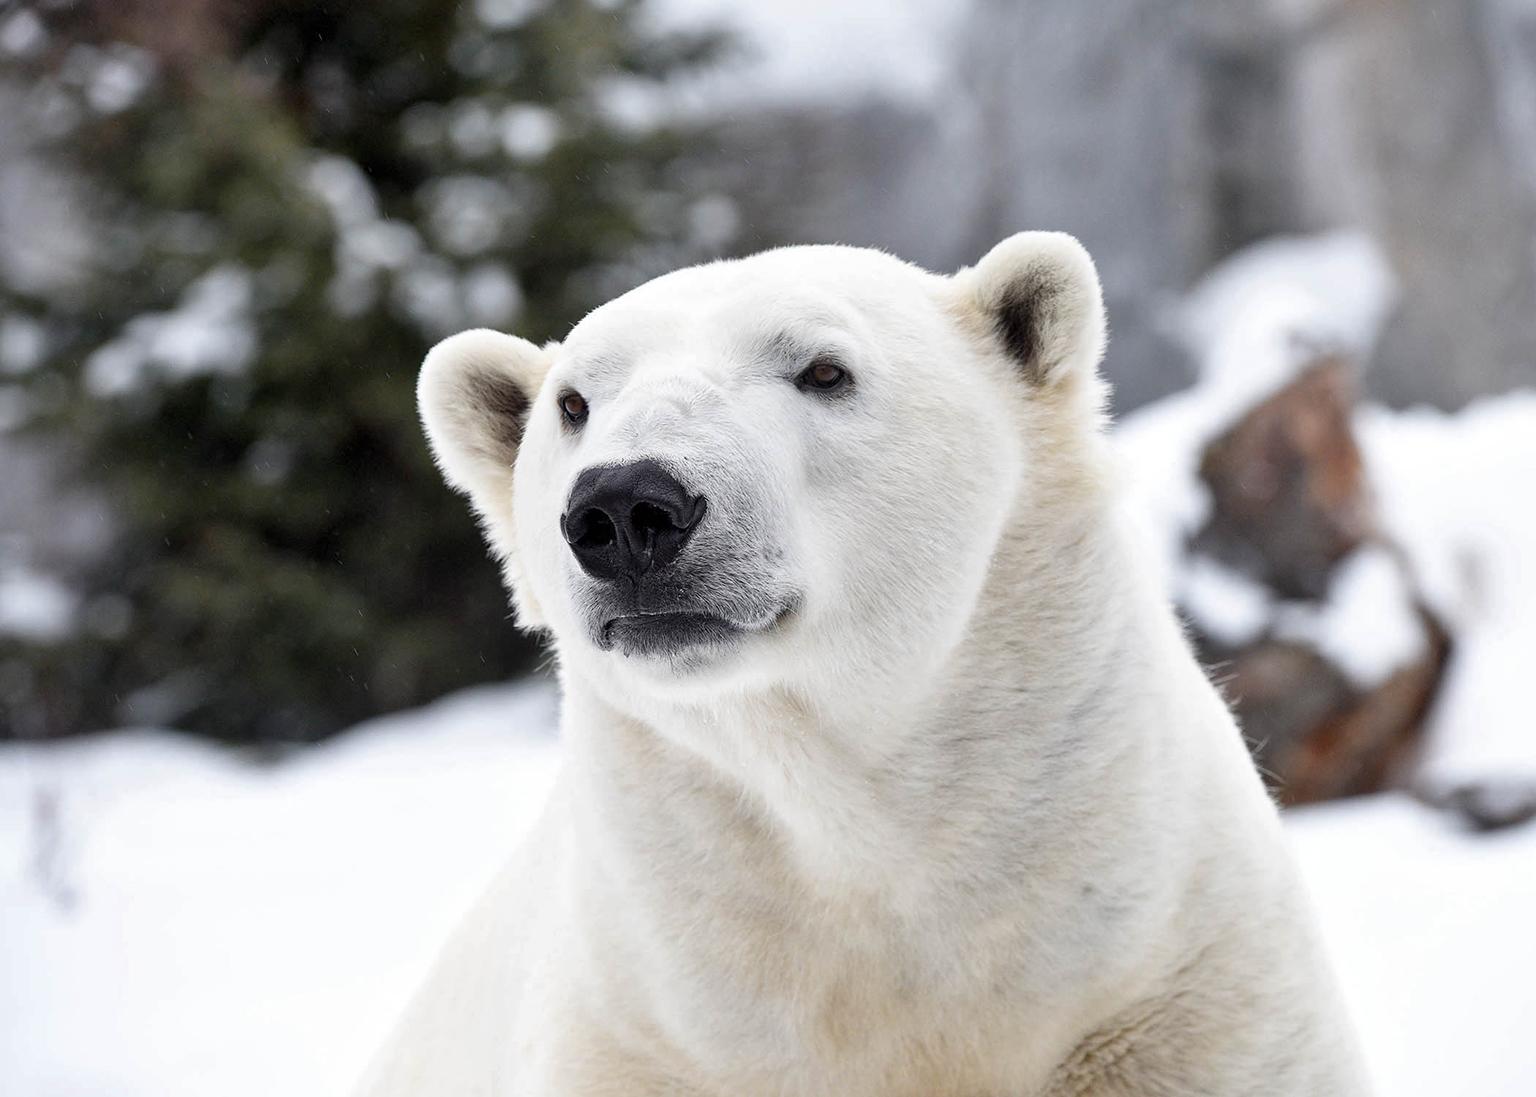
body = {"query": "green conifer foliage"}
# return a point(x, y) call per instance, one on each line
point(287, 203)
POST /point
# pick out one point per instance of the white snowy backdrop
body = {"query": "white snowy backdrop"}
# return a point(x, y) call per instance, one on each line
point(177, 919)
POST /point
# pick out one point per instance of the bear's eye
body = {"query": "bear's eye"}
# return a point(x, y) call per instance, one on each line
point(823, 375)
point(573, 407)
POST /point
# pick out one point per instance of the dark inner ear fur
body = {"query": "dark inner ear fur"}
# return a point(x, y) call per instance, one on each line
point(1025, 305)
point(500, 407)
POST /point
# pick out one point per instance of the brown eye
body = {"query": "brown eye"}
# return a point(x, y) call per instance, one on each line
point(574, 407)
point(822, 375)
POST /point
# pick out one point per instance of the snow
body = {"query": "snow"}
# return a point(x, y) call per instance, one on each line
point(1452, 491)
point(503, 14)
point(22, 34)
point(176, 921)
point(22, 344)
point(1367, 626)
point(119, 76)
point(1250, 325)
point(492, 297)
point(473, 128)
point(1227, 605)
point(209, 331)
point(529, 131)
point(34, 606)
point(367, 243)
point(1455, 490)
point(465, 214)
point(1430, 930)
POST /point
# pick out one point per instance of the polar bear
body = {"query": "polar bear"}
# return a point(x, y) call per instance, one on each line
point(888, 770)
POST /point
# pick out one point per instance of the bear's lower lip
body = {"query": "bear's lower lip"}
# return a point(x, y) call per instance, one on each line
point(666, 633)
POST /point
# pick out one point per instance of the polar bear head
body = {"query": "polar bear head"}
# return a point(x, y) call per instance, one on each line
point(786, 469)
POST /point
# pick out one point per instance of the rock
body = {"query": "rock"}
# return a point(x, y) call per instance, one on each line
point(1485, 805)
point(1314, 735)
point(1288, 486)
point(1332, 684)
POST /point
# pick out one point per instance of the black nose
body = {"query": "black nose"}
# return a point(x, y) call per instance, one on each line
point(624, 520)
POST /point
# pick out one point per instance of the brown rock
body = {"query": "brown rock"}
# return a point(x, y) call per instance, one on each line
point(1288, 485)
point(1316, 737)
point(1290, 501)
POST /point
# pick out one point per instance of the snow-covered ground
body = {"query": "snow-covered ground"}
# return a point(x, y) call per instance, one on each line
point(178, 922)
point(1431, 930)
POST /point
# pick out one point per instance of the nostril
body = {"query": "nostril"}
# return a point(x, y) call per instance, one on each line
point(649, 519)
point(591, 529)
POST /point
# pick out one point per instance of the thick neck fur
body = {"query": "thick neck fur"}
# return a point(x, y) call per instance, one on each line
point(915, 795)
point(994, 831)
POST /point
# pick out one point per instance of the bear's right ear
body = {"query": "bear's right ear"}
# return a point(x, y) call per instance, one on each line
point(1038, 295)
point(474, 393)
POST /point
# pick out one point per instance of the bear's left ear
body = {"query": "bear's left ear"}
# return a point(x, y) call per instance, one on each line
point(1039, 295)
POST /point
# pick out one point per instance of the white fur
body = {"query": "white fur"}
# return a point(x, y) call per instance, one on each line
point(968, 821)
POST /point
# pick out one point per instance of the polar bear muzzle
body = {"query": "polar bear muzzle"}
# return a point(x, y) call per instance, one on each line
point(626, 526)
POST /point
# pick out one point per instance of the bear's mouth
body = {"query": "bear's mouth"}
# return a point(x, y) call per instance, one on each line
point(665, 633)
point(676, 631)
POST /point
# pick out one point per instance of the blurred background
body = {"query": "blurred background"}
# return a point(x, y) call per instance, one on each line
point(230, 229)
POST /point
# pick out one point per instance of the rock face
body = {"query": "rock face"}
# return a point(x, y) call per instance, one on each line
point(1332, 679)
point(1315, 735)
point(1288, 486)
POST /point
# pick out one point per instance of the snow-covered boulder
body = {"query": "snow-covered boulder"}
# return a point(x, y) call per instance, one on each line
point(1296, 594)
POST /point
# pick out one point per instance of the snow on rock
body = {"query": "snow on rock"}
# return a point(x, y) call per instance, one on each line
point(1224, 604)
point(176, 921)
point(1334, 289)
point(1260, 500)
point(1367, 627)
point(1451, 493)
point(1456, 491)
point(1252, 325)
point(1266, 313)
